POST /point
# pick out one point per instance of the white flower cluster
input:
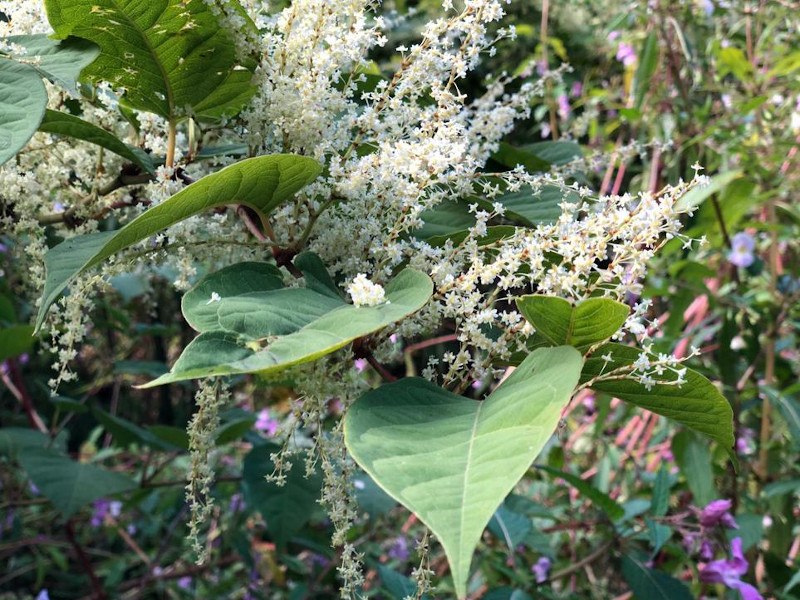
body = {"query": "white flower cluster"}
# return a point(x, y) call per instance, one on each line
point(363, 292)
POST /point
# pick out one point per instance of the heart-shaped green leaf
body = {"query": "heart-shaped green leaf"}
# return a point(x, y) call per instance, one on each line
point(558, 322)
point(262, 183)
point(250, 323)
point(451, 460)
point(696, 403)
point(169, 55)
point(60, 123)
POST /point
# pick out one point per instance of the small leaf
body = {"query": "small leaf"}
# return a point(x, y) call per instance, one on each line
point(59, 61)
point(15, 340)
point(697, 195)
point(602, 501)
point(23, 99)
point(650, 584)
point(451, 460)
point(694, 460)
point(696, 403)
point(68, 484)
point(303, 324)
point(262, 183)
point(60, 123)
point(558, 322)
point(648, 61)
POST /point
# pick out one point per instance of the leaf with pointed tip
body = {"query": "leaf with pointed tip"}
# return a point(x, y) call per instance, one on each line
point(59, 61)
point(452, 460)
point(262, 183)
point(169, 55)
point(558, 322)
point(68, 484)
point(696, 403)
point(296, 325)
point(23, 99)
point(60, 123)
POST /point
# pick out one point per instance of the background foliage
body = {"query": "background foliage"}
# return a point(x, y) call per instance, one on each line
point(617, 504)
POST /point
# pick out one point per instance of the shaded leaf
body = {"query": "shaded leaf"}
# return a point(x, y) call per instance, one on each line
point(60, 123)
point(650, 584)
point(15, 340)
point(60, 61)
point(23, 99)
point(694, 460)
point(602, 501)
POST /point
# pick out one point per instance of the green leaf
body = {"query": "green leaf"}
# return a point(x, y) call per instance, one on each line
point(451, 460)
point(789, 409)
point(68, 484)
point(558, 322)
point(169, 55)
point(510, 156)
point(287, 508)
point(17, 439)
point(370, 496)
point(555, 153)
point(59, 61)
point(262, 183)
point(126, 433)
point(15, 340)
point(535, 208)
point(60, 123)
point(696, 403)
point(302, 324)
point(697, 195)
point(648, 61)
point(602, 501)
point(23, 99)
point(650, 584)
point(694, 460)
point(510, 526)
point(229, 98)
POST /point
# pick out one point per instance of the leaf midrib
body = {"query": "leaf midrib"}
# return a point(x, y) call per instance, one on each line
point(462, 515)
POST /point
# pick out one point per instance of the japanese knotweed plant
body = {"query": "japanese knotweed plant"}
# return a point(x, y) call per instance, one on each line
point(347, 208)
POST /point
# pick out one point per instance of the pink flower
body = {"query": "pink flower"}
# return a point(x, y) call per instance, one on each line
point(266, 424)
point(626, 54)
point(717, 512)
point(729, 572)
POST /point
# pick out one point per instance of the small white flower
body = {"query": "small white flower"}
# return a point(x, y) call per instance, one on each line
point(215, 297)
point(365, 293)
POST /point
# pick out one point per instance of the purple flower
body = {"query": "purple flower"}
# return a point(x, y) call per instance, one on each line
point(741, 254)
point(542, 569)
point(563, 106)
point(185, 582)
point(43, 595)
point(706, 550)
point(360, 364)
point(729, 572)
point(266, 424)
point(626, 54)
point(613, 35)
point(237, 503)
point(399, 549)
point(577, 89)
point(717, 512)
point(3, 248)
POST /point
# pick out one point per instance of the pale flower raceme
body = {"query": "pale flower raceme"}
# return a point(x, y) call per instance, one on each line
point(363, 292)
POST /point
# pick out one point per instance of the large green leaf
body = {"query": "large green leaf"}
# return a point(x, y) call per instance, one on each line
point(59, 61)
point(451, 460)
point(262, 183)
point(696, 403)
point(170, 56)
point(68, 484)
point(60, 123)
point(535, 208)
point(15, 340)
point(558, 322)
point(255, 328)
point(23, 99)
point(287, 508)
